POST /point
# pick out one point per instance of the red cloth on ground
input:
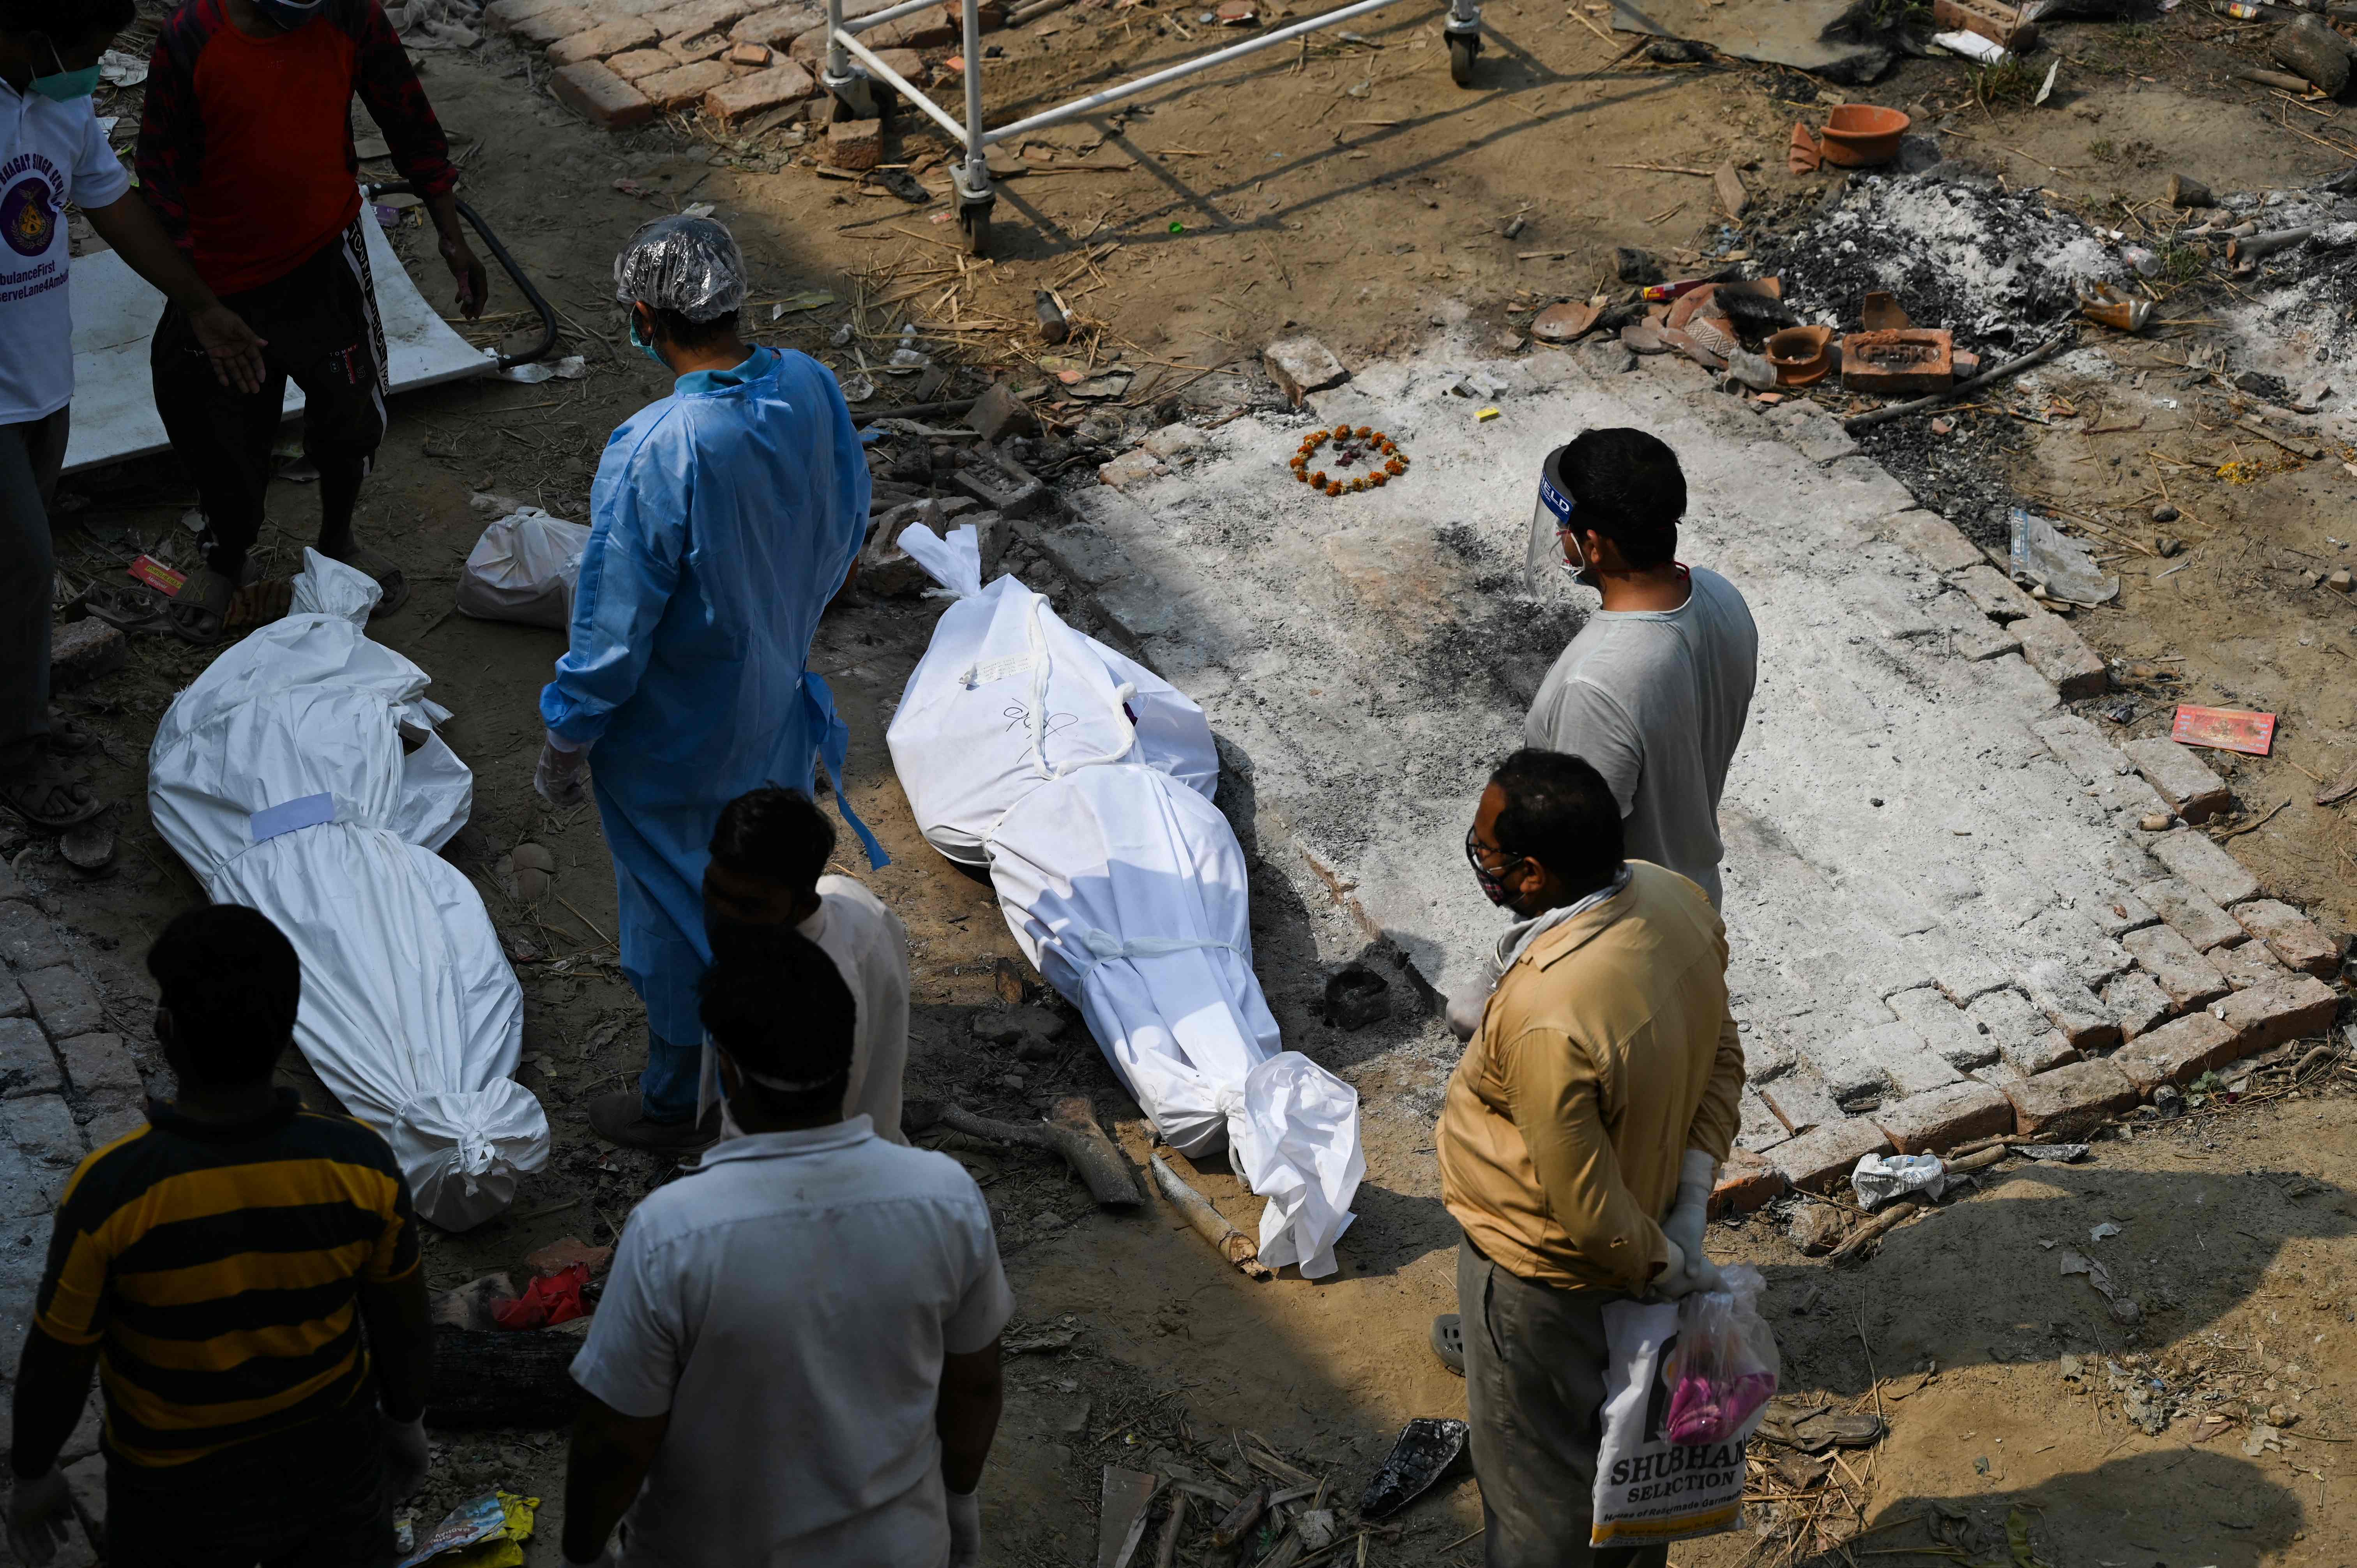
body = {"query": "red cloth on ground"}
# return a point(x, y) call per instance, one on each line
point(552, 1300)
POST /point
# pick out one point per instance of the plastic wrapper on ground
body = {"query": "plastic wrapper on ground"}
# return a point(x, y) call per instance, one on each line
point(1083, 782)
point(301, 774)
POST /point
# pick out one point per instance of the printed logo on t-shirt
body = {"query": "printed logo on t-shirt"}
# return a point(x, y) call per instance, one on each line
point(29, 210)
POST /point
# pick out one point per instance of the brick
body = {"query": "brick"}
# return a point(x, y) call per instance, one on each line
point(100, 1065)
point(2184, 780)
point(2057, 653)
point(1972, 636)
point(1992, 594)
point(2005, 1016)
point(2112, 779)
point(1962, 972)
point(25, 940)
point(779, 25)
point(28, 1188)
point(43, 1128)
point(2114, 912)
point(112, 1119)
point(701, 47)
point(641, 63)
point(2291, 936)
point(557, 22)
point(1944, 1027)
point(502, 15)
point(83, 650)
point(2247, 965)
point(683, 84)
point(854, 144)
point(1853, 1071)
point(28, 1066)
point(2200, 921)
point(2175, 1053)
point(1821, 1160)
point(1939, 1118)
point(2187, 978)
point(2286, 1009)
point(2077, 943)
point(907, 63)
point(2077, 1016)
point(2136, 1000)
point(1746, 1181)
point(1901, 360)
point(809, 46)
point(1757, 1128)
point(617, 37)
point(1801, 1101)
point(697, 16)
point(2196, 858)
point(1300, 366)
point(1818, 435)
point(596, 93)
point(752, 57)
point(778, 85)
point(2067, 1101)
point(12, 999)
point(63, 1000)
point(1935, 540)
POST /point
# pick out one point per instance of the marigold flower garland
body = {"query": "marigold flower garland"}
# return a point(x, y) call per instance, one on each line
point(1351, 445)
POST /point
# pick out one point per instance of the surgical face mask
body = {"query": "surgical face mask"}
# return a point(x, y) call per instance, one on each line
point(63, 86)
point(287, 15)
point(642, 346)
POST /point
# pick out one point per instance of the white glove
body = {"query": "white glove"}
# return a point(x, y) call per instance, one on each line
point(407, 1458)
point(1690, 1214)
point(1465, 1010)
point(39, 1512)
point(557, 778)
point(1683, 1275)
point(965, 1529)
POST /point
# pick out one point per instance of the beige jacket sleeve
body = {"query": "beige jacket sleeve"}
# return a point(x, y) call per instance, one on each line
point(1553, 1099)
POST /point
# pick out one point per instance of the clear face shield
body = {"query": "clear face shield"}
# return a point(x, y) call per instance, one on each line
point(1544, 554)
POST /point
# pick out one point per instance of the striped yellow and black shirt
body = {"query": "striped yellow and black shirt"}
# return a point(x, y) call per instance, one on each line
point(220, 1268)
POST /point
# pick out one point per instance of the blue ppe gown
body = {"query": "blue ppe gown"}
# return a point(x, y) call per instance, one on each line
point(724, 518)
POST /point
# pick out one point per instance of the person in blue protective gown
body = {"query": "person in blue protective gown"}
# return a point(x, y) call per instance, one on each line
point(725, 517)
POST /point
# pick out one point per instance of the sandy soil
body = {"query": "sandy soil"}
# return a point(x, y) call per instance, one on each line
point(1364, 216)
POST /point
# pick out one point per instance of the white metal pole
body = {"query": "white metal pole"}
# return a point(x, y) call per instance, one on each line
point(977, 168)
point(837, 65)
point(1189, 68)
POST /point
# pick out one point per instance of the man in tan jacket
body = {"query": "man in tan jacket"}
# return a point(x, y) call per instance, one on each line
point(1597, 1094)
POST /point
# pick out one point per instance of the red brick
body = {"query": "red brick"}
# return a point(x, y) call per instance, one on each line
point(703, 46)
point(2184, 780)
point(2265, 1016)
point(2175, 1053)
point(502, 15)
point(2248, 965)
point(608, 39)
point(683, 84)
point(754, 55)
point(589, 88)
point(2077, 1013)
point(855, 144)
point(1821, 1160)
point(779, 84)
point(2136, 1001)
point(917, 32)
point(2290, 936)
point(777, 26)
point(2188, 979)
point(1748, 1181)
point(809, 46)
point(641, 63)
point(560, 22)
point(2191, 910)
point(697, 16)
point(2068, 1100)
point(83, 650)
point(2057, 653)
point(1907, 359)
point(1939, 1118)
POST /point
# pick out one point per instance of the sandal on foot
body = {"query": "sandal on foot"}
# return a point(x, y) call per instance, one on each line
point(1448, 1341)
point(49, 797)
point(68, 737)
point(392, 588)
point(199, 611)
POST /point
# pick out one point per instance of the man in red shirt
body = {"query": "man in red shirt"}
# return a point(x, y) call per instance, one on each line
point(245, 152)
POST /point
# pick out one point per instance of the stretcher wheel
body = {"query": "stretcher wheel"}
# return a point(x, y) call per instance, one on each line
point(1461, 51)
point(975, 222)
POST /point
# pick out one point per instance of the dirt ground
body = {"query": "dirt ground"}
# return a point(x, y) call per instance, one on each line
point(1348, 188)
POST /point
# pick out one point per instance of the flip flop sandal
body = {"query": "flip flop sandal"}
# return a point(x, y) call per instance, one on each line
point(50, 797)
point(128, 609)
point(394, 588)
point(199, 612)
point(66, 737)
point(1448, 1341)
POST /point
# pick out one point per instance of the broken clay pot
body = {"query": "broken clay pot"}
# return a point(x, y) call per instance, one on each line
point(1798, 354)
point(1561, 323)
point(1859, 135)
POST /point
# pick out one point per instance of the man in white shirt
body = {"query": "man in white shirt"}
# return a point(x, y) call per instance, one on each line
point(52, 152)
point(770, 851)
point(796, 1357)
point(1654, 691)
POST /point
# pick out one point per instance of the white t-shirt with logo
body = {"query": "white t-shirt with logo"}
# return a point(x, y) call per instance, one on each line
point(50, 153)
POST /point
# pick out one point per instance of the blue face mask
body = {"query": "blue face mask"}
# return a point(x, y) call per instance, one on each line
point(64, 86)
point(642, 346)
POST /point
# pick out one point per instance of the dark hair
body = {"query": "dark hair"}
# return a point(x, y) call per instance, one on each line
point(1559, 812)
point(231, 981)
point(1629, 487)
point(779, 835)
point(694, 334)
point(67, 21)
point(775, 1004)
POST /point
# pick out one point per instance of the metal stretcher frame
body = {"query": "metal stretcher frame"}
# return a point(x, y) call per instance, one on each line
point(971, 177)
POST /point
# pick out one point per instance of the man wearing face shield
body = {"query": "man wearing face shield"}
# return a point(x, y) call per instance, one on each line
point(1654, 691)
point(724, 518)
point(1598, 1091)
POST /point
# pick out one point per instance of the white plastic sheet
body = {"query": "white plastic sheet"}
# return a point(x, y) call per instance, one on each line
point(1083, 781)
point(300, 776)
point(524, 568)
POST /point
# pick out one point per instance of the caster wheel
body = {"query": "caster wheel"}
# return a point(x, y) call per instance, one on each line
point(1461, 52)
point(975, 222)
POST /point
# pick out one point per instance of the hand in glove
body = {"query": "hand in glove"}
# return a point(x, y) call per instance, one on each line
point(965, 1529)
point(407, 1458)
point(1465, 1010)
point(39, 1510)
point(1684, 1276)
point(558, 777)
point(1690, 1214)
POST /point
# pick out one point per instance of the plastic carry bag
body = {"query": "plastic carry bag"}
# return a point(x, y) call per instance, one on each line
point(1879, 1178)
point(300, 775)
point(1652, 1486)
point(523, 569)
point(1083, 782)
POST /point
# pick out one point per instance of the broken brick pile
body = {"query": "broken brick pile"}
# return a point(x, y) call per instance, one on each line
point(622, 62)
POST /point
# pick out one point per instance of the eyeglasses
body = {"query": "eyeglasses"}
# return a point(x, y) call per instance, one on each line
point(1493, 883)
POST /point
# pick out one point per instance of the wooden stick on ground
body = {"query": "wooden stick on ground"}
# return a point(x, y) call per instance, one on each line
point(1861, 1243)
point(1229, 1242)
point(2038, 355)
point(1071, 1132)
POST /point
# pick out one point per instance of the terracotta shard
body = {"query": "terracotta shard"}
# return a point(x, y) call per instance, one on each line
point(1561, 323)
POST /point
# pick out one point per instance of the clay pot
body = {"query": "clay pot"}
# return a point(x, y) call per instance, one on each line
point(1799, 355)
point(1859, 135)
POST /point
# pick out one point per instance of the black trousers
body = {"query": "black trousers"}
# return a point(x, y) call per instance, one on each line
point(320, 324)
point(316, 1497)
point(31, 452)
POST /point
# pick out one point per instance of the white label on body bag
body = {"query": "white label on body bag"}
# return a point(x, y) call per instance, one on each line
point(1647, 1488)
